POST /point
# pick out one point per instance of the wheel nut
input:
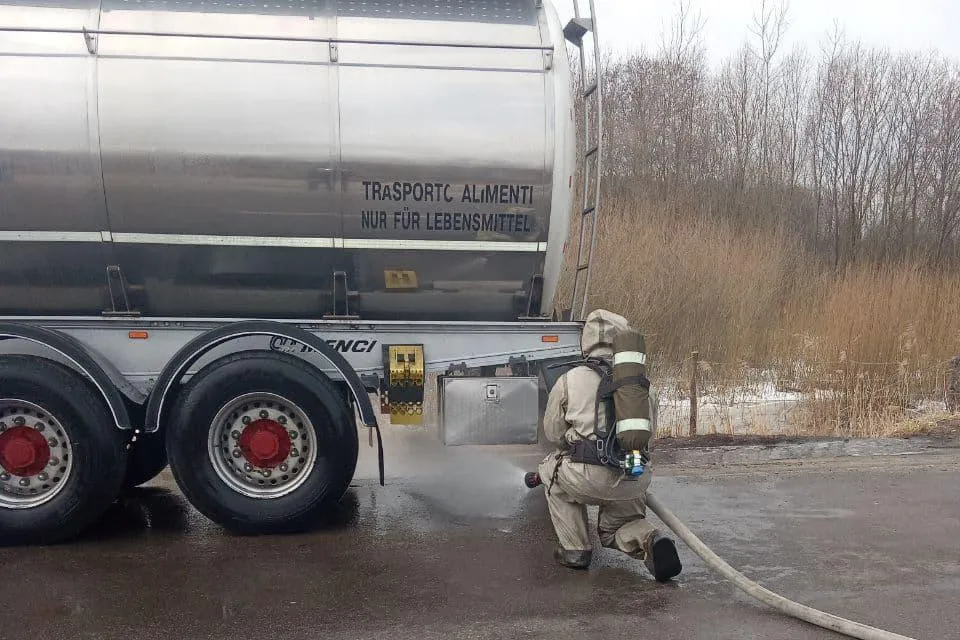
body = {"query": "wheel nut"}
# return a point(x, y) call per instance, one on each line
point(235, 434)
point(54, 462)
point(245, 419)
point(293, 434)
point(52, 442)
point(284, 467)
point(19, 421)
point(282, 419)
point(264, 414)
point(42, 477)
point(237, 453)
point(267, 473)
point(4, 476)
point(294, 453)
point(248, 467)
point(24, 482)
point(39, 426)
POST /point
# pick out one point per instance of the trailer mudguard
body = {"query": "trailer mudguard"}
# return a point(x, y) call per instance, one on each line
point(193, 350)
point(111, 384)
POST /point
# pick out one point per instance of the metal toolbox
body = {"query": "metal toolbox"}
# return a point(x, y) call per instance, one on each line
point(489, 410)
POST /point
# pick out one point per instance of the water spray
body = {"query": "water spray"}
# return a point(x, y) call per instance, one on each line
point(778, 602)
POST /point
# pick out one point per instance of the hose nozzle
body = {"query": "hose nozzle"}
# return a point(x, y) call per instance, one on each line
point(532, 480)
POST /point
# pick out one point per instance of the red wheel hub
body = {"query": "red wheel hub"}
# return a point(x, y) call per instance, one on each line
point(23, 451)
point(265, 443)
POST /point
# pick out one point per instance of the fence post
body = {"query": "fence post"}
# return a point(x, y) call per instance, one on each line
point(693, 393)
point(953, 385)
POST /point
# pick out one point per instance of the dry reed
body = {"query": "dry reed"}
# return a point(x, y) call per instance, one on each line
point(867, 346)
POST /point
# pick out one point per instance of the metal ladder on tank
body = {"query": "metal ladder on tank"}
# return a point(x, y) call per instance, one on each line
point(590, 159)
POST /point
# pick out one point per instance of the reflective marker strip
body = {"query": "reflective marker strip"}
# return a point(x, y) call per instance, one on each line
point(439, 245)
point(272, 241)
point(51, 236)
point(234, 241)
point(633, 424)
point(629, 357)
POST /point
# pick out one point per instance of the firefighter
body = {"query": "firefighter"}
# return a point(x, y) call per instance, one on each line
point(574, 480)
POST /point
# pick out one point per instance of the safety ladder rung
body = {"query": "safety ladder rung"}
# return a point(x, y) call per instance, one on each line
point(589, 210)
point(590, 90)
point(591, 151)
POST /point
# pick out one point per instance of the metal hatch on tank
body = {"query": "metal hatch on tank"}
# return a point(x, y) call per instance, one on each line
point(251, 151)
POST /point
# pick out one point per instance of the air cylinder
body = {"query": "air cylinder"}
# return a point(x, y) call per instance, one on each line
point(632, 395)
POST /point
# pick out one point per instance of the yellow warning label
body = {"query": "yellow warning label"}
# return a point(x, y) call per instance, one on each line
point(401, 279)
point(405, 383)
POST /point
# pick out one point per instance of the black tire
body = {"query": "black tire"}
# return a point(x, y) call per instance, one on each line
point(268, 372)
point(97, 447)
point(146, 459)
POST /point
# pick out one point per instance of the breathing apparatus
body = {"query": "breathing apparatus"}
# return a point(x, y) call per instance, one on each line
point(635, 463)
point(622, 409)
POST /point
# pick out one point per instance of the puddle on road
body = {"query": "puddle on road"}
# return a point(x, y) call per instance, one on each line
point(430, 486)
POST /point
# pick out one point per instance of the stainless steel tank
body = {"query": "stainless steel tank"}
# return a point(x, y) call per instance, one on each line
point(232, 156)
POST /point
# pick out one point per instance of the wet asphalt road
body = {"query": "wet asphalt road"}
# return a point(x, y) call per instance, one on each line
point(454, 547)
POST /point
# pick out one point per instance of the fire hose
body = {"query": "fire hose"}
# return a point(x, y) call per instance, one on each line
point(778, 602)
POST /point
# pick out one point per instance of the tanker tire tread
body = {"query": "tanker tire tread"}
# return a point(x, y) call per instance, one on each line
point(98, 451)
point(301, 383)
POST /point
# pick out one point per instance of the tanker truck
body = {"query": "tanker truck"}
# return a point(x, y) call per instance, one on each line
point(229, 229)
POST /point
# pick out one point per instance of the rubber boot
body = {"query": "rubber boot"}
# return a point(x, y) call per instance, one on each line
point(572, 558)
point(661, 557)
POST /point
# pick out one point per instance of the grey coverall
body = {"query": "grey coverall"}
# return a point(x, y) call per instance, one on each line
point(571, 414)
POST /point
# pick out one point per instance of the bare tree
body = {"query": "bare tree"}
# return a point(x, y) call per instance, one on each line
point(682, 42)
point(944, 205)
point(854, 149)
point(833, 80)
point(791, 144)
point(769, 27)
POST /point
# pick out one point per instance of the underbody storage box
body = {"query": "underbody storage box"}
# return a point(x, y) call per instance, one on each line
point(490, 410)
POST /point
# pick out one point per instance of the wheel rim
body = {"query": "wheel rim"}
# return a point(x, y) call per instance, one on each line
point(36, 457)
point(262, 445)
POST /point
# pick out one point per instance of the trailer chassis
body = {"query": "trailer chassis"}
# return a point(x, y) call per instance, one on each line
point(151, 381)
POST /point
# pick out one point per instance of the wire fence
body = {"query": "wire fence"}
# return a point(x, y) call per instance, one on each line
point(840, 397)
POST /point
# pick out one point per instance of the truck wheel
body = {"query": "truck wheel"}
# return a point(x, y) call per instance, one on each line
point(146, 460)
point(261, 442)
point(61, 456)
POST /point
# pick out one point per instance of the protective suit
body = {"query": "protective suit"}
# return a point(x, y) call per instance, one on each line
point(570, 486)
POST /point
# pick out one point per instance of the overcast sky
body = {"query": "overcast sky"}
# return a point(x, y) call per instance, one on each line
point(899, 24)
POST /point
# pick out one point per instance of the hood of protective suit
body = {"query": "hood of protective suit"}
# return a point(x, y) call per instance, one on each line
point(598, 332)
